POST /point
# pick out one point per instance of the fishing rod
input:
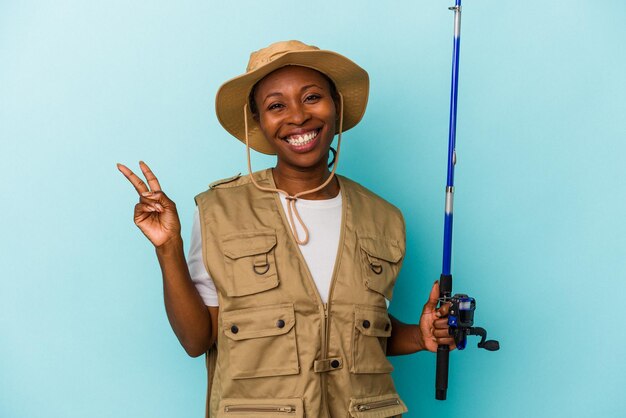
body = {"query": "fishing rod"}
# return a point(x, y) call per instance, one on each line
point(461, 314)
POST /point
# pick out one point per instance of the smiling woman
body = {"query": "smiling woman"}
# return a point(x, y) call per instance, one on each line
point(299, 115)
point(286, 321)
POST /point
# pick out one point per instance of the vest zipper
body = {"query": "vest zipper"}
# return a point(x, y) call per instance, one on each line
point(325, 306)
point(333, 280)
point(378, 404)
point(287, 409)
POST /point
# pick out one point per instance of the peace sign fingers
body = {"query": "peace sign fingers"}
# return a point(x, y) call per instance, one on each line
point(155, 214)
point(138, 183)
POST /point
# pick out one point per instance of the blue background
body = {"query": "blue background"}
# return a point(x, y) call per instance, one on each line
point(539, 230)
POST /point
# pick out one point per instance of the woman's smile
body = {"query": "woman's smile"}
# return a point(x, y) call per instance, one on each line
point(303, 141)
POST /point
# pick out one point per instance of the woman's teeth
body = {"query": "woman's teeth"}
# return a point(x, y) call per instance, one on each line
point(299, 140)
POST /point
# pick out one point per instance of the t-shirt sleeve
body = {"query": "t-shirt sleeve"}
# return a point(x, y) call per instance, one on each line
point(199, 275)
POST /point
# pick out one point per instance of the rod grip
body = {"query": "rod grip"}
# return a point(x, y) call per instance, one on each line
point(443, 351)
point(445, 285)
point(441, 382)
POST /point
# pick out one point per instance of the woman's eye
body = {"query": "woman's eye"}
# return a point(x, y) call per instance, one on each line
point(274, 106)
point(312, 97)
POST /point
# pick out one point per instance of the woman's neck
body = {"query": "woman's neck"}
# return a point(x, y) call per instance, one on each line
point(294, 181)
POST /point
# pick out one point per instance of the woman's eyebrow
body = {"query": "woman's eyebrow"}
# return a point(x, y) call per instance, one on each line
point(308, 86)
point(278, 94)
point(274, 94)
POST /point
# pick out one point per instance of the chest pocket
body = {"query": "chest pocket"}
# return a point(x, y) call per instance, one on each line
point(380, 264)
point(250, 263)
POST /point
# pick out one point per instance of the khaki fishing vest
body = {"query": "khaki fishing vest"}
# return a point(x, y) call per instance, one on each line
point(281, 352)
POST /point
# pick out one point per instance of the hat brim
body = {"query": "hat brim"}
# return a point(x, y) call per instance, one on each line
point(351, 81)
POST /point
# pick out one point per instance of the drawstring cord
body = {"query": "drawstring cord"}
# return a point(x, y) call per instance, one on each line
point(291, 200)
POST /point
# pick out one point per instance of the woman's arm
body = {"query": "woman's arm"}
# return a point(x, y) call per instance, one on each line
point(155, 215)
point(194, 324)
point(431, 331)
point(405, 338)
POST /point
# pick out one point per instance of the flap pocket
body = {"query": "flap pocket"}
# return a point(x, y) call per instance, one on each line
point(261, 341)
point(267, 408)
point(384, 249)
point(372, 322)
point(248, 244)
point(377, 406)
point(258, 322)
point(249, 262)
point(372, 327)
point(381, 263)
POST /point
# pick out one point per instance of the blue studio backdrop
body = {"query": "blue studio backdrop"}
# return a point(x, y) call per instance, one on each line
point(540, 240)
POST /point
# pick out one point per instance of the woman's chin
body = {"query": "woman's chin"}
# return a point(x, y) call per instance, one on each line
point(306, 161)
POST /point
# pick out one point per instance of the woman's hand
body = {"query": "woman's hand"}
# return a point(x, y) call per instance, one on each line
point(155, 214)
point(434, 324)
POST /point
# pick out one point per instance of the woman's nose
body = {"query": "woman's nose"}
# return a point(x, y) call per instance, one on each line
point(298, 114)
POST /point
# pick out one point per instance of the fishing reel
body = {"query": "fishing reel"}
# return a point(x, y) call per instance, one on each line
point(461, 321)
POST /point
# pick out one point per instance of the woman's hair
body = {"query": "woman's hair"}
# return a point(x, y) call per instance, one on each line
point(255, 110)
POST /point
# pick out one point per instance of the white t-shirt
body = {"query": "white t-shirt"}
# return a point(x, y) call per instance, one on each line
point(323, 220)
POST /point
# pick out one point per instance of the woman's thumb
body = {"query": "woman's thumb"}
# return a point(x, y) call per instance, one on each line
point(433, 298)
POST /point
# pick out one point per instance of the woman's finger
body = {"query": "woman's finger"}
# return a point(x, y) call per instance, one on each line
point(145, 208)
point(152, 203)
point(142, 212)
point(158, 199)
point(138, 183)
point(441, 333)
point(441, 323)
point(158, 196)
point(443, 309)
point(446, 341)
point(150, 177)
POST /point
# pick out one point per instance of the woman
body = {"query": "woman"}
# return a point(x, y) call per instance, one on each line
point(300, 287)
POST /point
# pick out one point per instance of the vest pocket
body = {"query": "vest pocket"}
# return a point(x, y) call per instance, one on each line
point(261, 341)
point(266, 408)
point(377, 406)
point(372, 327)
point(381, 263)
point(250, 264)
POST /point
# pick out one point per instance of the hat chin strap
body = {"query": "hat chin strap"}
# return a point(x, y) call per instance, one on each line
point(291, 200)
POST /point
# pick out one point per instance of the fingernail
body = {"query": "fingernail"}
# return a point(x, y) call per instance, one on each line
point(146, 194)
point(158, 206)
point(438, 314)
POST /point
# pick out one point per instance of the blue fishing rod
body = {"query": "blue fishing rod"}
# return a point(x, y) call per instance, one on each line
point(461, 314)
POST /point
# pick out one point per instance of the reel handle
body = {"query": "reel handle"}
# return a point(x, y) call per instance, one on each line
point(489, 345)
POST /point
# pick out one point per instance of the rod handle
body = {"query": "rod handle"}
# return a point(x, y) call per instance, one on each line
point(443, 351)
point(441, 382)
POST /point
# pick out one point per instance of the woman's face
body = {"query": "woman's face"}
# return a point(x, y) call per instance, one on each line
point(297, 115)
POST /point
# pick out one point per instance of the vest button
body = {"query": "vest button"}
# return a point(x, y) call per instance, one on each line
point(234, 329)
point(366, 324)
point(334, 364)
point(280, 323)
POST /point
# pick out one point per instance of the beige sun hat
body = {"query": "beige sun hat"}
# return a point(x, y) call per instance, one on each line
point(351, 81)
